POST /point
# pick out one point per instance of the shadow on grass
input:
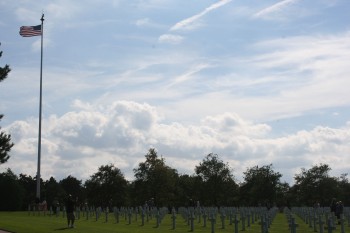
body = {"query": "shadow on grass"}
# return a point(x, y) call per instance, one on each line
point(62, 229)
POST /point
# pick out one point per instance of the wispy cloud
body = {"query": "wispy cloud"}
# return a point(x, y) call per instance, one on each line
point(147, 23)
point(186, 76)
point(143, 22)
point(189, 22)
point(274, 8)
point(169, 38)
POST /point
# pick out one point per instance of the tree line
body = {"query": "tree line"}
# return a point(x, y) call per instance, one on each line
point(211, 184)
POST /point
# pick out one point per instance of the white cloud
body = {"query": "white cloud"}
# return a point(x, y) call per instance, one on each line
point(148, 23)
point(318, 62)
point(28, 15)
point(274, 8)
point(188, 74)
point(189, 23)
point(52, 11)
point(170, 38)
point(143, 22)
point(62, 11)
point(233, 123)
point(78, 142)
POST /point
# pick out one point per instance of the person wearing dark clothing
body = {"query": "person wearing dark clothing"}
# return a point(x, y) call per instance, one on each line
point(333, 205)
point(339, 209)
point(70, 211)
point(55, 205)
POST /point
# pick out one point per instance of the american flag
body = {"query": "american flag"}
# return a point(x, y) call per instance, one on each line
point(28, 31)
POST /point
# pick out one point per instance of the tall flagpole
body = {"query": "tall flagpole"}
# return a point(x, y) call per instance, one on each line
point(40, 103)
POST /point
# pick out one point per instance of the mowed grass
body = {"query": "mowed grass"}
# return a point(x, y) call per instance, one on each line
point(21, 222)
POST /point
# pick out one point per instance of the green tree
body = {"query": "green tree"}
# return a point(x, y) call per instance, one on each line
point(284, 196)
point(52, 190)
point(344, 186)
point(12, 193)
point(29, 185)
point(219, 187)
point(73, 186)
point(188, 188)
point(315, 185)
point(4, 71)
point(262, 186)
point(107, 187)
point(5, 139)
point(155, 180)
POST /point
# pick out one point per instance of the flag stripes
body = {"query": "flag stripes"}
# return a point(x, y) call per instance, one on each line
point(28, 31)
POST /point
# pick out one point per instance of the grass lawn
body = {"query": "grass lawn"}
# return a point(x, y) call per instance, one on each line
point(21, 222)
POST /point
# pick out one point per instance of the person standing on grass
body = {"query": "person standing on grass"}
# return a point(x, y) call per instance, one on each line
point(339, 209)
point(70, 211)
point(333, 205)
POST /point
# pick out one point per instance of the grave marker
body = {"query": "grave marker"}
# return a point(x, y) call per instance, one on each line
point(191, 221)
point(315, 222)
point(106, 214)
point(248, 218)
point(157, 219)
point(236, 221)
point(147, 215)
point(243, 221)
point(330, 226)
point(173, 218)
point(96, 214)
point(321, 224)
point(212, 222)
point(87, 213)
point(222, 217)
point(342, 220)
point(129, 216)
point(293, 226)
point(78, 212)
point(143, 217)
point(230, 217)
point(199, 214)
point(263, 225)
point(204, 218)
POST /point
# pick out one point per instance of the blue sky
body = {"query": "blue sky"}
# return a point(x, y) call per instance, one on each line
point(256, 82)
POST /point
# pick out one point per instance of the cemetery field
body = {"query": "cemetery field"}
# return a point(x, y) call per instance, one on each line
point(22, 222)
